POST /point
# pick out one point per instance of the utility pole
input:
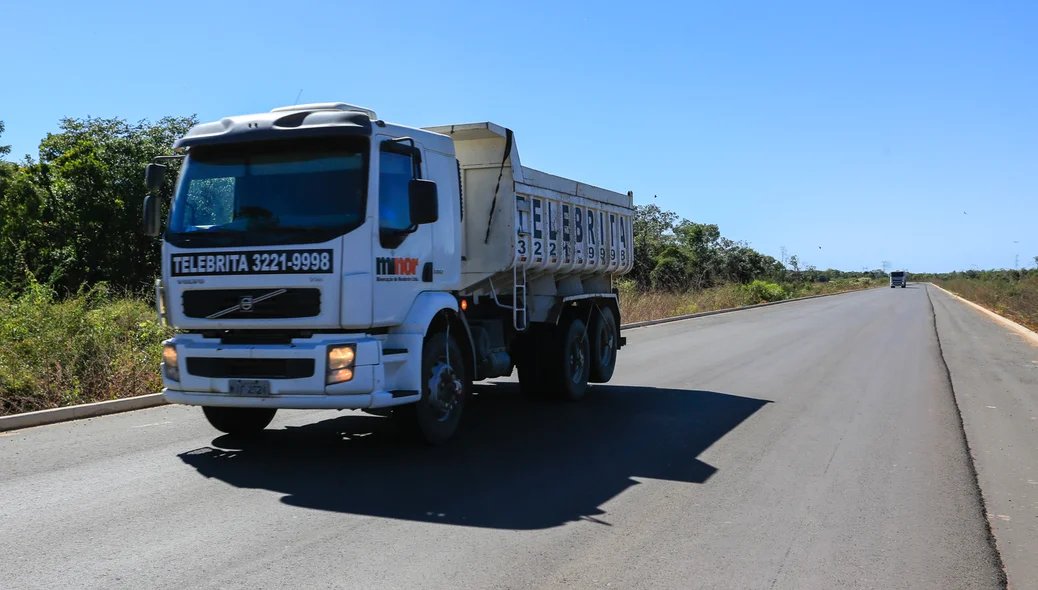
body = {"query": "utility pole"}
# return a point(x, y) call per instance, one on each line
point(1016, 261)
point(886, 265)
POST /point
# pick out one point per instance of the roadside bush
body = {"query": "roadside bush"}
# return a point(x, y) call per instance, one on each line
point(765, 292)
point(669, 275)
point(85, 348)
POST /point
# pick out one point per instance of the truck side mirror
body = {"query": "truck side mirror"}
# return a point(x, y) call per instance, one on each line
point(153, 176)
point(152, 215)
point(425, 205)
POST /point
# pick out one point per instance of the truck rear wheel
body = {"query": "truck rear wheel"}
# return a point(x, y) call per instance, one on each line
point(603, 344)
point(556, 361)
point(239, 421)
point(572, 365)
point(444, 389)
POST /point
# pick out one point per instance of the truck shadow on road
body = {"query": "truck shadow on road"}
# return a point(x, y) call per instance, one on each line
point(515, 464)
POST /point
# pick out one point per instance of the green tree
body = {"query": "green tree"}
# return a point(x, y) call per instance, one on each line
point(653, 232)
point(795, 263)
point(74, 216)
point(4, 149)
point(700, 240)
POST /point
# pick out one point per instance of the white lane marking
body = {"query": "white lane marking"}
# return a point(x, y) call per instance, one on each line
point(152, 424)
point(990, 407)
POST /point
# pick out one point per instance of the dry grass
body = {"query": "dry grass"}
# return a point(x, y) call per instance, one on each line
point(1016, 300)
point(637, 306)
point(87, 348)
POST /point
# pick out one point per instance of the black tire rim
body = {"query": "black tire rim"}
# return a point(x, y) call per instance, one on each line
point(445, 391)
point(576, 359)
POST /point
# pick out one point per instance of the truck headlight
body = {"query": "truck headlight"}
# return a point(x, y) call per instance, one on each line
point(170, 363)
point(340, 363)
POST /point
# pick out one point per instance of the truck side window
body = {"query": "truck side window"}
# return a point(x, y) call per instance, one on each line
point(394, 172)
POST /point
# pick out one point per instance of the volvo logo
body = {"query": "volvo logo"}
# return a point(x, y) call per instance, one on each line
point(246, 304)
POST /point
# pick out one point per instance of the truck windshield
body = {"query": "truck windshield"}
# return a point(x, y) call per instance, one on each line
point(270, 193)
point(897, 275)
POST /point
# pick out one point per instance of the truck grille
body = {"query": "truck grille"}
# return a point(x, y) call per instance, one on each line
point(239, 304)
point(231, 368)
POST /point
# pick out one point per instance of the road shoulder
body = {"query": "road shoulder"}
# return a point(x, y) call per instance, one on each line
point(994, 372)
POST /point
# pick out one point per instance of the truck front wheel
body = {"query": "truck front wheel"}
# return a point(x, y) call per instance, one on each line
point(239, 421)
point(445, 388)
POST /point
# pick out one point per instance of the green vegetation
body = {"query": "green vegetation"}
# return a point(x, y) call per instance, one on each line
point(680, 255)
point(76, 317)
point(637, 305)
point(90, 346)
point(73, 216)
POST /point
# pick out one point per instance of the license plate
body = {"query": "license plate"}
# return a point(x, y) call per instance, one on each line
point(243, 387)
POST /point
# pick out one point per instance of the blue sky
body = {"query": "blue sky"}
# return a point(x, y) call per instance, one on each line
point(848, 132)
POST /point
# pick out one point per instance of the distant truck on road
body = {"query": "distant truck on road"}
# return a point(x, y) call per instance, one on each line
point(317, 257)
point(898, 278)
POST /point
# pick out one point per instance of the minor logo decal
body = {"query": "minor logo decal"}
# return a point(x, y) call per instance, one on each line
point(396, 269)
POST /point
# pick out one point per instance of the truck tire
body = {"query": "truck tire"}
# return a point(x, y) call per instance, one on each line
point(569, 367)
point(602, 333)
point(239, 421)
point(445, 387)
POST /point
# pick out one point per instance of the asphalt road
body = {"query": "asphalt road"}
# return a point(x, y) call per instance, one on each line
point(995, 375)
point(810, 445)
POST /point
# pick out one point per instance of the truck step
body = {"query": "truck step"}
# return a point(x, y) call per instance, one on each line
point(404, 393)
point(394, 355)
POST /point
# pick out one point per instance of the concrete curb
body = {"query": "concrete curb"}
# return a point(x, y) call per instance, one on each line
point(731, 309)
point(56, 415)
point(1027, 333)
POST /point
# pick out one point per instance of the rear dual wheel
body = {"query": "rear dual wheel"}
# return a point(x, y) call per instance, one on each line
point(555, 361)
point(604, 344)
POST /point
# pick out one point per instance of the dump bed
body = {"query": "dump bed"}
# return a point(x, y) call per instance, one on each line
point(516, 218)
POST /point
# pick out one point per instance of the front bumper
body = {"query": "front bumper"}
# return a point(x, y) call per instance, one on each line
point(367, 388)
point(364, 401)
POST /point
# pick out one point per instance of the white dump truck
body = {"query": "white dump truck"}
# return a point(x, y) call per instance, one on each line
point(318, 257)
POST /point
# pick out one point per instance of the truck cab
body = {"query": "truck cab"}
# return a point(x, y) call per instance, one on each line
point(898, 278)
point(313, 257)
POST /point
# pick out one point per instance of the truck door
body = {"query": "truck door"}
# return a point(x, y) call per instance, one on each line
point(401, 250)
